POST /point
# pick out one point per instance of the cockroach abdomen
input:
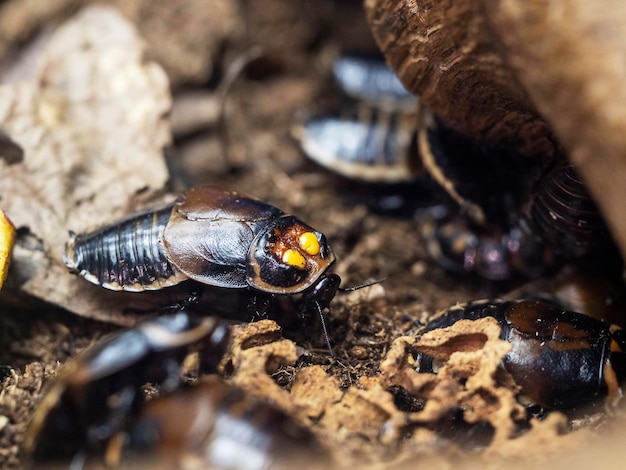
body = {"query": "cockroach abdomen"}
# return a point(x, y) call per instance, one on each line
point(127, 256)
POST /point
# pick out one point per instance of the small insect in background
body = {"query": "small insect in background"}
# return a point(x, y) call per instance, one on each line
point(372, 136)
point(507, 215)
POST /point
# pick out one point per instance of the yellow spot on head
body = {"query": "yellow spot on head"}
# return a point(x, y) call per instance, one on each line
point(293, 258)
point(309, 243)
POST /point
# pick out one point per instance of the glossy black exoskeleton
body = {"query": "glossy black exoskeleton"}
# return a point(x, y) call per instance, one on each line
point(494, 186)
point(215, 425)
point(368, 144)
point(560, 359)
point(213, 236)
point(563, 214)
point(94, 415)
point(373, 136)
point(92, 396)
point(369, 79)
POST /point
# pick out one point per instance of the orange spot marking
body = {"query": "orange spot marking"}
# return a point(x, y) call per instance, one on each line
point(293, 258)
point(309, 243)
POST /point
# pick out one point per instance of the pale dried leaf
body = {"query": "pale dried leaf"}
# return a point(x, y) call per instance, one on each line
point(92, 126)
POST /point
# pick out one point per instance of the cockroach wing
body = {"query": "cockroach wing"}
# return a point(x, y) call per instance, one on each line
point(212, 252)
point(211, 203)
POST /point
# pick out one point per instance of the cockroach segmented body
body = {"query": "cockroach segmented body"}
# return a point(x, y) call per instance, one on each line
point(216, 238)
point(212, 236)
point(91, 397)
point(373, 136)
point(371, 146)
point(372, 81)
point(127, 256)
point(563, 213)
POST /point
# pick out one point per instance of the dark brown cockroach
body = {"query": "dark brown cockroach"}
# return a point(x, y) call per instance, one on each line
point(215, 237)
point(531, 206)
point(92, 396)
point(560, 359)
point(559, 222)
point(562, 213)
point(93, 414)
point(214, 425)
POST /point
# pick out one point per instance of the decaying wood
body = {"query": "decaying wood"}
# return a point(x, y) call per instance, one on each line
point(570, 56)
point(443, 51)
point(495, 69)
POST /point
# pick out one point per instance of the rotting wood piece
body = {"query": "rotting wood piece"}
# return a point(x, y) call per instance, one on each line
point(492, 68)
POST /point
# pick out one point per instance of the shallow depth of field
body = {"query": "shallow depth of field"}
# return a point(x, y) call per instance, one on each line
point(109, 108)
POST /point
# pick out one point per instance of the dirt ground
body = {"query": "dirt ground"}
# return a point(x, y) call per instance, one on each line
point(366, 413)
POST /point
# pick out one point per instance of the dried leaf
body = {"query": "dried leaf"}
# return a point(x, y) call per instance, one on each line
point(92, 127)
